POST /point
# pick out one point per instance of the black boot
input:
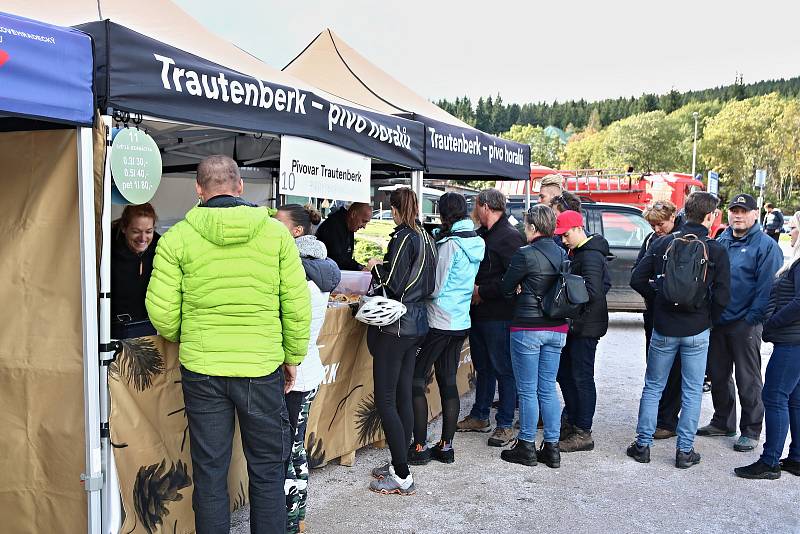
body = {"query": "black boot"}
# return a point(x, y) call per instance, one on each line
point(523, 452)
point(549, 454)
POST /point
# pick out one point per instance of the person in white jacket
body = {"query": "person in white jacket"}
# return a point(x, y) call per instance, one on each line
point(323, 275)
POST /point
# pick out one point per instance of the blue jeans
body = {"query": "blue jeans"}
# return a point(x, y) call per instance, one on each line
point(535, 356)
point(781, 395)
point(490, 349)
point(693, 354)
point(212, 403)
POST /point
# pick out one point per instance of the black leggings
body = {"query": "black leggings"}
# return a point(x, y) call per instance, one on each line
point(442, 352)
point(392, 372)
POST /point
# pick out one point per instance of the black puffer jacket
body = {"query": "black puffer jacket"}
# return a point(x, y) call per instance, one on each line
point(130, 274)
point(589, 261)
point(535, 274)
point(783, 325)
point(408, 274)
point(502, 242)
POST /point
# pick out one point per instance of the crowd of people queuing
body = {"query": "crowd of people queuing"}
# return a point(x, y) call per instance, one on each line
point(244, 289)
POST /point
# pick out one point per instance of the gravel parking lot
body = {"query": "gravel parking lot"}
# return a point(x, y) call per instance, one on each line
point(602, 490)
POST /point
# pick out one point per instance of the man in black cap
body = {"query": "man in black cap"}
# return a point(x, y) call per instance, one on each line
point(736, 339)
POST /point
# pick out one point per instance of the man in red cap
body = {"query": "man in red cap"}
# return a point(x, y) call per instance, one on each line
point(576, 371)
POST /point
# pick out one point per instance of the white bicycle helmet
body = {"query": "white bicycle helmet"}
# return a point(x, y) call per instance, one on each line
point(380, 311)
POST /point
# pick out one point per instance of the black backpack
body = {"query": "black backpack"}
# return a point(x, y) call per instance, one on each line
point(685, 273)
point(565, 299)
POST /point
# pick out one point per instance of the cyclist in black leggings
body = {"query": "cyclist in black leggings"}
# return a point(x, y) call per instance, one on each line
point(407, 275)
point(460, 252)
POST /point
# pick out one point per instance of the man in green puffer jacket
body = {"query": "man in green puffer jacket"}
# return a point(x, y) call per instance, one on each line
point(228, 284)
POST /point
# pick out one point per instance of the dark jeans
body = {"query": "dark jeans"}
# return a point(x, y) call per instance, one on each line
point(736, 346)
point(490, 349)
point(393, 361)
point(782, 402)
point(576, 378)
point(670, 404)
point(212, 404)
point(440, 352)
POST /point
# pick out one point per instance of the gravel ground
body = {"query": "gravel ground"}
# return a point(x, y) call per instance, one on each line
point(602, 490)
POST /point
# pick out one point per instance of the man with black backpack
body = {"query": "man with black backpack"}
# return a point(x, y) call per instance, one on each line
point(576, 371)
point(687, 277)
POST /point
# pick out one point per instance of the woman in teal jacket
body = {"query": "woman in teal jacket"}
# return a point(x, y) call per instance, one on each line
point(460, 251)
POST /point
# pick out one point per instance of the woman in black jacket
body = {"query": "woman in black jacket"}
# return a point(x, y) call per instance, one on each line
point(536, 340)
point(781, 393)
point(408, 275)
point(132, 253)
point(576, 373)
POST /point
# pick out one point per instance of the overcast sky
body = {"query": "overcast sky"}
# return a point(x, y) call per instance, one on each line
point(530, 51)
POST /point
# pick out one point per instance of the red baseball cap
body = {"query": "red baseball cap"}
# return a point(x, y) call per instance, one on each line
point(567, 220)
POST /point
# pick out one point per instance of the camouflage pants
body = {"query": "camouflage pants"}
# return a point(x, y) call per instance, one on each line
point(296, 485)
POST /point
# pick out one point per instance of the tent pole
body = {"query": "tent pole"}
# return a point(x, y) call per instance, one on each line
point(110, 494)
point(417, 179)
point(93, 476)
point(527, 194)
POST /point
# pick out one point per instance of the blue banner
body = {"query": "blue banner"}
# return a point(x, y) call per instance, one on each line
point(45, 71)
point(455, 150)
point(142, 75)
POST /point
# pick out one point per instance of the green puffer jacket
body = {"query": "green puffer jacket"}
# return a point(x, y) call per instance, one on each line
point(229, 285)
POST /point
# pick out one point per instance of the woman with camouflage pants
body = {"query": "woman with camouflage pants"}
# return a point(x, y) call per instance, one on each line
point(323, 275)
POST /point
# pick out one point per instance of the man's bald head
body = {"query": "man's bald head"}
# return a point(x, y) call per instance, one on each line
point(218, 175)
point(358, 215)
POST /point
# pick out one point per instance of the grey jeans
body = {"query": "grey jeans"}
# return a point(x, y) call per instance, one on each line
point(735, 351)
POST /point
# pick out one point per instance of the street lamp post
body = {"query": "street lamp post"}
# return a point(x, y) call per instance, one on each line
point(695, 115)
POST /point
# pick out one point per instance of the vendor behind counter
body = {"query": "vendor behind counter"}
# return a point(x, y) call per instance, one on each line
point(338, 234)
point(133, 248)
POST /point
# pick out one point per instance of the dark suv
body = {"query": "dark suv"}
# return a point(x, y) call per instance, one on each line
point(625, 229)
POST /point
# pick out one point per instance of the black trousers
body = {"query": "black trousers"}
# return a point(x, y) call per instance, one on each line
point(440, 352)
point(669, 407)
point(393, 361)
point(735, 350)
point(212, 403)
point(576, 378)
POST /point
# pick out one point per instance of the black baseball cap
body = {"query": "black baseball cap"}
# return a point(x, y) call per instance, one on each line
point(743, 200)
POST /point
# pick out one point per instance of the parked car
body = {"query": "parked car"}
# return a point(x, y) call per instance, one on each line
point(625, 230)
point(382, 215)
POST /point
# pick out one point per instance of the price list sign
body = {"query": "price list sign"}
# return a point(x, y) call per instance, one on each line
point(135, 165)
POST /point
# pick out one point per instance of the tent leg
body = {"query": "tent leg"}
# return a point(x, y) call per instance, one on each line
point(110, 495)
point(527, 194)
point(417, 179)
point(93, 477)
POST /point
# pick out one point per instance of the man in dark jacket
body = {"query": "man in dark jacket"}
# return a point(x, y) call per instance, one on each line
point(680, 329)
point(576, 371)
point(736, 341)
point(773, 221)
point(338, 234)
point(491, 313)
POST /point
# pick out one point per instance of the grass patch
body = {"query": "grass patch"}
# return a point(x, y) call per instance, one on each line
point(377, 228)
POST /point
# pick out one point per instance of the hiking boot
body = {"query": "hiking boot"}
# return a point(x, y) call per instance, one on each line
point(745, 444)
point(471, 424)
point(790, 466)
point(549, 454)
point(685, 460)
point(711, 430)
point(394, 484)
point(567, 429)
point(523, 452)
point(580, 440)
point(381, 472)
point(501, 437)
point(663, 433)
point(446, 456)
point(418, 455)
point(759, 470)
point(640, 453)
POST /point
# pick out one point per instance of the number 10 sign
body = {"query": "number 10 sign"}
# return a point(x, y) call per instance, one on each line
point(312, 169)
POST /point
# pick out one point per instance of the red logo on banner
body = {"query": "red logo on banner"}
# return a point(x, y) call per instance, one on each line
point(3, 57)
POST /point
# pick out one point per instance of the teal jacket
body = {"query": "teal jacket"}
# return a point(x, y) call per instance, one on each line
point(460, 253)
